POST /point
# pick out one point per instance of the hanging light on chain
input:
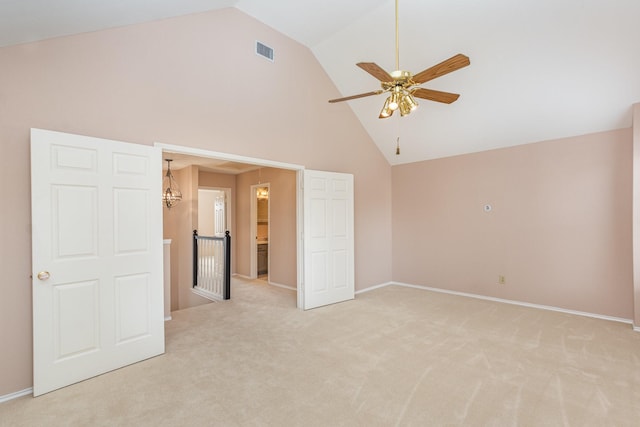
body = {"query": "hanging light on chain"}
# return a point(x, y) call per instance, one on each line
point(171, 193)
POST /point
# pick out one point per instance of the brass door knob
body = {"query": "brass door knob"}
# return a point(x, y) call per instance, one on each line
point(43, 275)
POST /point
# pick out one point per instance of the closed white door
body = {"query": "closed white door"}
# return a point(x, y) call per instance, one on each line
point(328, 238)
point(97, 256)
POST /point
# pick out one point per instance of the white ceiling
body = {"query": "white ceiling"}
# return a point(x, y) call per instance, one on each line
point(540, 69)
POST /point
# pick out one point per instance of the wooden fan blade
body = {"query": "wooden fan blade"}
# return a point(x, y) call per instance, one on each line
point(361, 95)
point(376, 71)
point(435, 95)
point(445, 67)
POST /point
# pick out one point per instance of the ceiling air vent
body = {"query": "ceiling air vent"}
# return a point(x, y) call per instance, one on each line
point(264, 50)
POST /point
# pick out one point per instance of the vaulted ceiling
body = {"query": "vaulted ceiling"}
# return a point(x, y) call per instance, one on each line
point(540, 69)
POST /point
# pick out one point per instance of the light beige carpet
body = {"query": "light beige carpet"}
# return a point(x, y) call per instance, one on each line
point(392, 357)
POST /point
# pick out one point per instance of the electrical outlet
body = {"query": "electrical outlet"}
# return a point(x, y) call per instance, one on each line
point(501, 280)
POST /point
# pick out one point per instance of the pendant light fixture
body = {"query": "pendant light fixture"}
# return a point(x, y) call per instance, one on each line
point(171, 193)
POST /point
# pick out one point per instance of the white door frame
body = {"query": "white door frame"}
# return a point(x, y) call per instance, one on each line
point(264, 163)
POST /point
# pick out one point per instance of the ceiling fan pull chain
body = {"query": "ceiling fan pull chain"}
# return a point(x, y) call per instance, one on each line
point(398, 146)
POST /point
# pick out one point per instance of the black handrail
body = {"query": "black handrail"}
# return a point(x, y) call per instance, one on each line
point(195, 259)
point(227, 260)
point(227, 265)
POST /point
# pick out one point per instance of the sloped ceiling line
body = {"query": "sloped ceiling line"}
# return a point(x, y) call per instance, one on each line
point(540, 69)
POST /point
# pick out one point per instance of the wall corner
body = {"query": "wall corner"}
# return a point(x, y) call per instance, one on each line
point(636, 214)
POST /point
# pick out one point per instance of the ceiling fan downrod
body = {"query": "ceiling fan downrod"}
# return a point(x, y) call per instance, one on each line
point(397, 40)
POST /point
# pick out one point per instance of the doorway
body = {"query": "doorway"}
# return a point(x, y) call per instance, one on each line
point(260, 219)
point(195, 169)
point(316, 264)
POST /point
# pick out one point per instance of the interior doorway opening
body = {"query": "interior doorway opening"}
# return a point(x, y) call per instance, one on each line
point(260, 219)
point(188, 163)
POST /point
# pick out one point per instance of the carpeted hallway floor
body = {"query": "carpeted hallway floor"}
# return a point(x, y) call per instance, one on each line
point(392, 357)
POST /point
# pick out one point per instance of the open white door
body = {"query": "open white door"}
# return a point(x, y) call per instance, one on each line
point(328, 238)
point(97, 256)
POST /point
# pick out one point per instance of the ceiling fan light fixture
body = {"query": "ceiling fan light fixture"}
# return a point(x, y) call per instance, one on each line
point(386, 110)
point(404, 109)
point(394, 100)
point(411, 102)
point(407, 104)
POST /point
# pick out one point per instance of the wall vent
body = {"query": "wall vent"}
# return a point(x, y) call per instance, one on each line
point(264, 51)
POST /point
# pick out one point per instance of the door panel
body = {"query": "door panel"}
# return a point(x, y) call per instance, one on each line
point(329, 241)
point(132, 307)
point(97, 232)
point(75, 302)
point(131, 213)
point(75, 213)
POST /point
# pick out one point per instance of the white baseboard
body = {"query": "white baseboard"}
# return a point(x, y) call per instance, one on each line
point(371, 288)
point(506, 301)
point(16, 395)
point(278, 285)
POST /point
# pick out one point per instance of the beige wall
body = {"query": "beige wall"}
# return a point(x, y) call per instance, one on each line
point(192, 81)
point(636, 214)
point(559, 231)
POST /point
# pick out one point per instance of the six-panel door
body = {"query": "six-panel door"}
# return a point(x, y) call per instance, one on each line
point(97, 256)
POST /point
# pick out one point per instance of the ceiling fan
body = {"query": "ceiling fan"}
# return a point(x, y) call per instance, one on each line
point(402, 84)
